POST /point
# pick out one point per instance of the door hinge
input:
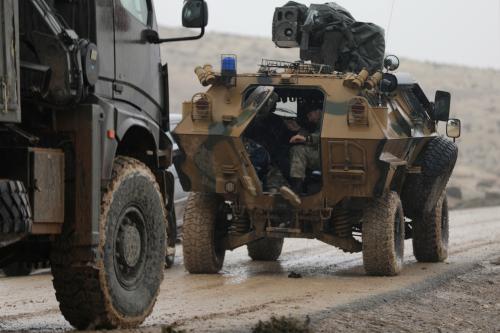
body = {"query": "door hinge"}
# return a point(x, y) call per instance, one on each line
point(118, 88)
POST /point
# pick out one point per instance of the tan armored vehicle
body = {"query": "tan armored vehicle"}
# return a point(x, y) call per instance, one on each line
point(379, 177)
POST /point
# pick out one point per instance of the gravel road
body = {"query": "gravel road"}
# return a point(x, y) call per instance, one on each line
point(246, 292)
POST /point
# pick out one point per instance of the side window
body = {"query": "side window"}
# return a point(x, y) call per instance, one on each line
point(138, 8)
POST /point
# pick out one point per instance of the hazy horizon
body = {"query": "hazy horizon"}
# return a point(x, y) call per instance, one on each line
point(446, 31)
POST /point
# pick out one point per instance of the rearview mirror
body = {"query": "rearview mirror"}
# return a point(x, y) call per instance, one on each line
point(442, 104)
point(195, 14)
point(454, 128)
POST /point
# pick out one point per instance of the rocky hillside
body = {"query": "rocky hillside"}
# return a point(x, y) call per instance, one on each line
point(476, 101)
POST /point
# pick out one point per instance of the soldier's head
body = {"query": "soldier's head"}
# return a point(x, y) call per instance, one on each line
point(314, 115)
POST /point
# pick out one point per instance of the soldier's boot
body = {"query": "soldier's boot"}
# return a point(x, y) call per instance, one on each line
point(297, 185)
point(292, 194)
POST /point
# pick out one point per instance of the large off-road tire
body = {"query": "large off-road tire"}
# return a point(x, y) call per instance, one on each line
point(18, 268)
point(431, 233)
point(120, 289)
point(15, 211)
point(383, 235)
point(203, 231)
point(265, 249)
point(422, 191)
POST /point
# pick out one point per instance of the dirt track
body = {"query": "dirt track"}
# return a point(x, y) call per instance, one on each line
point(247, 292)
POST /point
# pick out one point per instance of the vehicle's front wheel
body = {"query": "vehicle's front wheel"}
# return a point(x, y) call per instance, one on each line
point(383, 234)
point(203, 231)
point(431, 233)
point(120, 289)
point(265, 249)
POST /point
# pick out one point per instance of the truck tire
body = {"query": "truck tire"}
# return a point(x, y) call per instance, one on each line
point(422, 191)
point(265, 249)
point(17, 269)
point(383, 235)
point(15, 210)
point(431, 233)
point(203, 230)
point(120, 289)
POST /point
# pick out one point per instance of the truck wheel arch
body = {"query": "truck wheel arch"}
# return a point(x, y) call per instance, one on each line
point(138, 142)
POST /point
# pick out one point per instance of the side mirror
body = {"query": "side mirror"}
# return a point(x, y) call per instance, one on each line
point(442, 104)
point(391, 63)
point(195, 14)
point(454, 128)
point(151, 36)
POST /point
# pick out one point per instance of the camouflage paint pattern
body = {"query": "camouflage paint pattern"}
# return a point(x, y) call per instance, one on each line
point(357, 161)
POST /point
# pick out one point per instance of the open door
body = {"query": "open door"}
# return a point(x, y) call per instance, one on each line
point(10, 108)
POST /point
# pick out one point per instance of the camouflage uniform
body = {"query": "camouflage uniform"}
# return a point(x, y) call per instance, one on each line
point(305, 156)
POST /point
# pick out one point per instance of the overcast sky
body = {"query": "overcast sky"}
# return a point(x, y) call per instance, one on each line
point(448, 31)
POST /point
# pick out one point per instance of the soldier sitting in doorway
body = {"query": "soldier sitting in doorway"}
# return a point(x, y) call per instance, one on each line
point(304, 154)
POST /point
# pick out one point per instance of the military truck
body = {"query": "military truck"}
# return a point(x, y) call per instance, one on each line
point(83, 179)
point(382, 164)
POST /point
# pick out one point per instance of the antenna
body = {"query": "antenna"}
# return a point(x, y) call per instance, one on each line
point(388, 31)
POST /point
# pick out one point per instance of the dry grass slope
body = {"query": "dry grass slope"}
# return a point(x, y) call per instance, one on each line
point(476, 101)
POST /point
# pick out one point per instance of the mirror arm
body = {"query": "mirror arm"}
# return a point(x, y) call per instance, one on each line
point(181, 39)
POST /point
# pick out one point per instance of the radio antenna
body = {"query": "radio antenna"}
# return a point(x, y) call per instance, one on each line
point(388, 31)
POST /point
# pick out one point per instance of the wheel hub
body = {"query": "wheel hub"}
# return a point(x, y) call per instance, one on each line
point(129, 247)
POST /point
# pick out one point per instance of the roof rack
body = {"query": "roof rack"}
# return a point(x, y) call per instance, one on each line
point(298, 67)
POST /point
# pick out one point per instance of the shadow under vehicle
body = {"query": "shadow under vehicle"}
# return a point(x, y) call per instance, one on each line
point(84, 180)
point(381, 177)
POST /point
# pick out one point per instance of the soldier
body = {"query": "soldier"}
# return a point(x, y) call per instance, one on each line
point(304, 155)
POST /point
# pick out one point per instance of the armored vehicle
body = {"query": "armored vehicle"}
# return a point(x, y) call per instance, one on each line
point(84, 180)
point(374, 167)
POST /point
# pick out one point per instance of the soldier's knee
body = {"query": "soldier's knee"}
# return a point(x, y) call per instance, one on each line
point(298, 151)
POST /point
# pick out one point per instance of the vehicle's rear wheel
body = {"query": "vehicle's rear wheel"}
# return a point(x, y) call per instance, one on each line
point(18, 269)
point(383, 234)
point(265, 249)
point(120, 289)
point(203, 231)
point(431, 233)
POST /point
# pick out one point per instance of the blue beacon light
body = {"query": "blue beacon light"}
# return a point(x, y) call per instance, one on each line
point(229, 64)
point(228, 69)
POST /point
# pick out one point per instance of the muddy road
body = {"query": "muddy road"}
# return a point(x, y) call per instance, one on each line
point(246, 292)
